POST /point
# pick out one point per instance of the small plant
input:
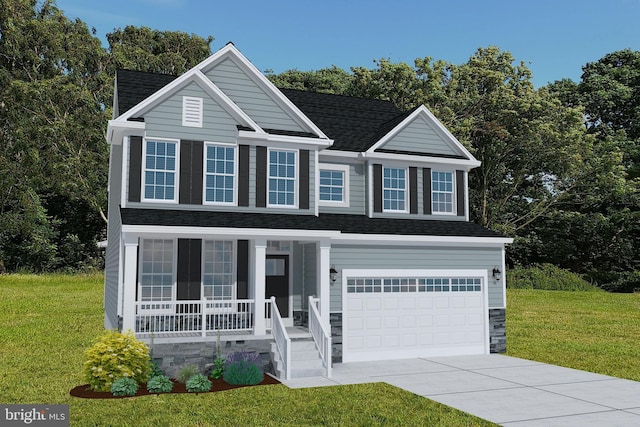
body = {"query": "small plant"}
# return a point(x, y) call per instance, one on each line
point(124, 387)
point(218, 368)
point(155, 370)
point(243, 368)
point(218, 362)
point(198, 384)
point(159, 384)
point(186, 372)
point(116, 355)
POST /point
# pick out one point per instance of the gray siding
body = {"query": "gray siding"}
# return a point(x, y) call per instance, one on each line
point(250, 97)
point(420, 137)
point(357, 192)
point(112, 253)
point(165, 120)
point(395, 257)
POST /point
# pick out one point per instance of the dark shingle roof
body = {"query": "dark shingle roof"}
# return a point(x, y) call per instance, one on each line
point(135, 86)
point(348, 224)
point(354, 124)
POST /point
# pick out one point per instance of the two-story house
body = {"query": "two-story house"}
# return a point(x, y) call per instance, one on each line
point(238, 210)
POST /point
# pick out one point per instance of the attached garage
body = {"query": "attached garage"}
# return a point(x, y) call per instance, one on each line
point(392, 314)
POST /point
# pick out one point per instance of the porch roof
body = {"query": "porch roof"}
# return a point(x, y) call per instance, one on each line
point(346, 224)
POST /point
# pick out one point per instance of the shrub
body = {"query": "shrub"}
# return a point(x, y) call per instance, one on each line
point(159, 384)
point(547, 277)
point(186, 372)
point(242, 368)
point(628, 281)
point(116, 355)
point(125, 386)
point(198, 384)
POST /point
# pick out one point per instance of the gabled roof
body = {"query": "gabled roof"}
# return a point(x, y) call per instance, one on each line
point(355, 124)
point(344, 223)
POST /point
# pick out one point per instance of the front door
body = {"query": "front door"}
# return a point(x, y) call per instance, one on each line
point(277, 281)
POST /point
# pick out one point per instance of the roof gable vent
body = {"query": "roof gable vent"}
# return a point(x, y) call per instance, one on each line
point(191, 111)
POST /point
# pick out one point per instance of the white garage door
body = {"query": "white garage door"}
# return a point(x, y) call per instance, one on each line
point(403, 314)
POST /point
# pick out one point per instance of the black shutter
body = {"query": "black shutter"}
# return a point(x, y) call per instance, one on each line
point(413, 190)
point(261, 177)
point(460, 193)
point(189, 275)
point(243, 175)
point(135, 168)
point(191, 153)
point(243, 269)
point(426, 190)
point(377, 188)
point(303, 184)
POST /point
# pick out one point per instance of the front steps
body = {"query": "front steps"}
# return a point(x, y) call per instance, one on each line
point(305, 359)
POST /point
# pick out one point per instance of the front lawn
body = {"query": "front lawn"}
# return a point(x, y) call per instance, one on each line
point(47, 322)
point(593, 331)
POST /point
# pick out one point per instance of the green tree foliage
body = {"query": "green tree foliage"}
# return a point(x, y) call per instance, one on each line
point(164, 52)
point(56, 89)
point(328, 80)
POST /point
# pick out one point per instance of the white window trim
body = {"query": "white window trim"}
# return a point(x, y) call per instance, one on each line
point(345, 189)
point(189, 103)
point(406, 189)
point(234, 272)
point(174, 278)
point(453, 193)
point(235, 174)
point(176, 181)
point(296, 179)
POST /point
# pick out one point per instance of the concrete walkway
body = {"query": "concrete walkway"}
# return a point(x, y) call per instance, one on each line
point(506, 390)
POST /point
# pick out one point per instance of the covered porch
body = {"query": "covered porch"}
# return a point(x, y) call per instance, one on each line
point(185, 284)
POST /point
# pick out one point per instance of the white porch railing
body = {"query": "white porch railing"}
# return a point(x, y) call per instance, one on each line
point(320, 335)
point(197, 317)
point(280, 336)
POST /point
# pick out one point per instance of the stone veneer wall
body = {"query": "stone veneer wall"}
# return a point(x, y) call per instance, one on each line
point(171, 357)
point(335, 320)
point(497, 330)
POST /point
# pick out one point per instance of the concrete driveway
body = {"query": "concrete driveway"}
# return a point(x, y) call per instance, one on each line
point(506, 390)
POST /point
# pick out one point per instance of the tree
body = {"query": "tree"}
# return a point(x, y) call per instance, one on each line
point(164, 52)
point(327, 80)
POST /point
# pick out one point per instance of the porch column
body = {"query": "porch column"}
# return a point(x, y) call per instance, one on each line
point(323, 262)
point(259, 250)
point(129, 283)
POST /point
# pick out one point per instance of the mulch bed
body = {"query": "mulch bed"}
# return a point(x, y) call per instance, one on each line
point(85, 392)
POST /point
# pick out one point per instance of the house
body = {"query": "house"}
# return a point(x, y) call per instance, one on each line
point(252, 215)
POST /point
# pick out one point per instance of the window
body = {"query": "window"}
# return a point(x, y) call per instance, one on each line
point(358, 285)
point(394, 189)
point(157, 268)
point(442, 192)
point(282, 178)
point(160, 170)
point(334, 185)
point(191, 111)
point(219, 174)
point(218, 275)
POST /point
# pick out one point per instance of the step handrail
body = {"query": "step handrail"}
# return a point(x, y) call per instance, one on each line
point(320, 335)
point(280, 336)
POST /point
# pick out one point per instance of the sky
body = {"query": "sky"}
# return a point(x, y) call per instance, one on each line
point(555, 39)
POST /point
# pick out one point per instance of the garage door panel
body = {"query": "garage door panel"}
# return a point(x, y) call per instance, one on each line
point(417, 321)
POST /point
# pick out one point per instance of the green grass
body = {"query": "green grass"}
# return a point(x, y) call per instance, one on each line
point(592, 331)
point(47, 323)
